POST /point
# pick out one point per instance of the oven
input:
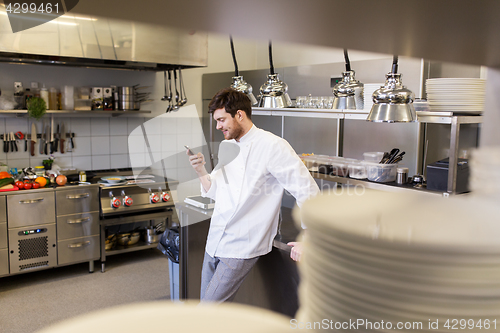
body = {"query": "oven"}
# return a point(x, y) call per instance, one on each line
point(140, 202)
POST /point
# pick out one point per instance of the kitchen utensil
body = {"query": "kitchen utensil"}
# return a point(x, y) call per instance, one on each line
point(47, 142)
point(391, 156)
point(5, 143)
point(165, 96)
point(57, 136)
point(13, 142)
point(52, 135)
point(176, 91)
point(169, 98)
point(398, 158)
point(183, 99)
point(41, 149)
point(128, 238)
point(62, 135)
point(34, 139)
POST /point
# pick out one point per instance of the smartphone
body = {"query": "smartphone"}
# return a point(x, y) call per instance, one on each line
point(189, 151)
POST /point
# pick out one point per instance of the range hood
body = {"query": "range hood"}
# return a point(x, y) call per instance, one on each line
point(104, 43)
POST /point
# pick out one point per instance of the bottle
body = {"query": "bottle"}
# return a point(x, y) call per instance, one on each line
point(53, 98)
point(40, 171)
point(44, 94)
point(27, 95)
point(83, 176)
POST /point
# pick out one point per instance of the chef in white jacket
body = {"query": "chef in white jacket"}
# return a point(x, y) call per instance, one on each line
point(247, 193)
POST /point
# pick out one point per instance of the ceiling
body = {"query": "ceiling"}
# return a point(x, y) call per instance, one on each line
point(445, 30)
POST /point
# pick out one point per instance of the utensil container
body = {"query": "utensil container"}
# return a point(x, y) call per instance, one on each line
point(357, 170)
point(381, 173)
point(373, 156)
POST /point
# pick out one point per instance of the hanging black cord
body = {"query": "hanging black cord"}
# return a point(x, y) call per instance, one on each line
point(236, 72)
point(271, 58)
point(395, 65)
point(347, 62)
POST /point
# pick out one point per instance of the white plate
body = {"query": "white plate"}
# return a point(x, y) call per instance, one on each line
point(446, 225)
point(105, 183)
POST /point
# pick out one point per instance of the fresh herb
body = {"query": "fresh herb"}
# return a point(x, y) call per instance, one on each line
point(36, 107)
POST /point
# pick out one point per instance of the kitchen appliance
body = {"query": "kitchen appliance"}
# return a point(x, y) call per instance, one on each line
point(393, 102)
point(238, 82)
point(348, 92)
point(32, 231)
point(140, 200)
point(437, 175)
point(274, 92)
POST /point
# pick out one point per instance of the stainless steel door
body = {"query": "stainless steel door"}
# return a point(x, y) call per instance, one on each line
point(77, 201)
point(3, 235)
point(77, 225)
point(78, 250)
point(4, 262)
point(32, 247)
point(31, 209)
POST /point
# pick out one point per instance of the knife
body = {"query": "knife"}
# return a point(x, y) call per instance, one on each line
point(45, 148)
point(33, 139)
point(56, 141)
point(62, 134)
point(42, 140)
point(13, 142)
point(5, 143)
point(52, 135)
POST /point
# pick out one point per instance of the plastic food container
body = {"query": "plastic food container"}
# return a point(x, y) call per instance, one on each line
point(375, 156)
point(381, 173)
point(357, 170)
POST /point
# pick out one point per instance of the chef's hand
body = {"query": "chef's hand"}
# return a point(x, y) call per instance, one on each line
point(296, 250)
point(198, 163)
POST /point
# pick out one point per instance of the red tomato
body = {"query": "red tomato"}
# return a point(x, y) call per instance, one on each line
point(36, 185)
point(19, 184)
point(27, 186)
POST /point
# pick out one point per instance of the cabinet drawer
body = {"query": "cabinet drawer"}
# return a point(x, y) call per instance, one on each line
point(4, 262)
point(3, 235)
point(31, 209)
point(77, 225)
point(78, 249)
point(3, 209)
point(77, 201)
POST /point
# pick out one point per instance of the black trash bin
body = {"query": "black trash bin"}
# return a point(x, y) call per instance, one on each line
point(169, 246)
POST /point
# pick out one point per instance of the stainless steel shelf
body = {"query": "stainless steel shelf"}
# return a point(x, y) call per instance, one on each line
point(372, 185)
point(422, 116)
point(131, 248)
point(113, 113)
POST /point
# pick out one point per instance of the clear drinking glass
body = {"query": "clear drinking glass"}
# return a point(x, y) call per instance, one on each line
point(313, 102)
point(300, 102)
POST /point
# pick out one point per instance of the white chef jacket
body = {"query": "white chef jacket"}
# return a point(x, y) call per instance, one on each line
point(245, 218)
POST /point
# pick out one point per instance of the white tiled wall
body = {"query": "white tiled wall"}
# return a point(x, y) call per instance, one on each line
point(100, 143)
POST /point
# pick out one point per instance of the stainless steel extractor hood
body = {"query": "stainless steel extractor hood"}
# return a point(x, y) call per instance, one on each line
point(75, 40)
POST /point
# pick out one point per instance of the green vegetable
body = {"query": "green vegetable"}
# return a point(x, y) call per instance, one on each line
point(6, 181)
point(36, 107)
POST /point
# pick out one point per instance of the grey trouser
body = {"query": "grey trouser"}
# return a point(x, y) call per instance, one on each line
point(222, 277)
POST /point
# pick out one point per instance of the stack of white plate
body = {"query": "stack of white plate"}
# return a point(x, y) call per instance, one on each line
point(368, 92)
point(460, 95)
point(379, 261)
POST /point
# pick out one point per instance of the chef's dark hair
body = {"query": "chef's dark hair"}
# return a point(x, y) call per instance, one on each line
point(231, 100)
